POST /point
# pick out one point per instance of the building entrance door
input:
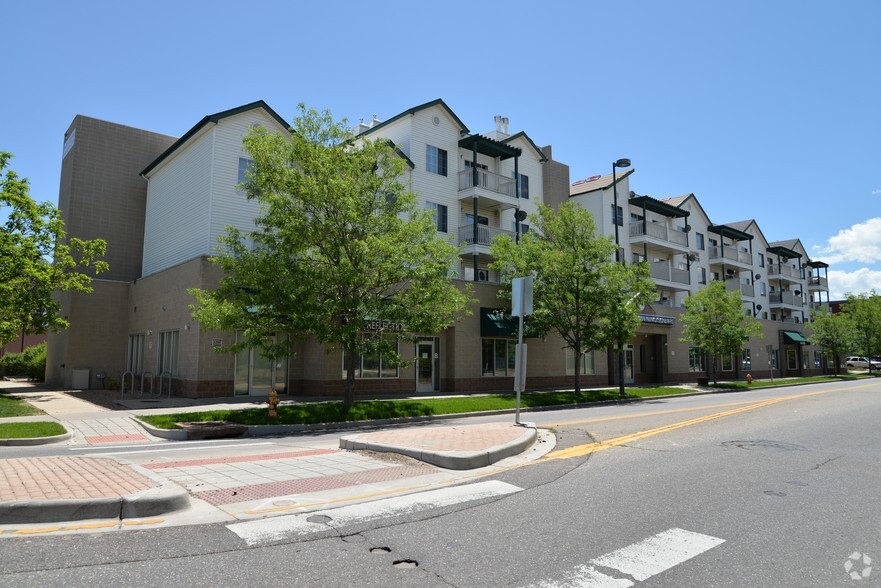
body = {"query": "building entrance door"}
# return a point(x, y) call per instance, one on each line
point(257, 375)
point(425, 365)
point(628, 364)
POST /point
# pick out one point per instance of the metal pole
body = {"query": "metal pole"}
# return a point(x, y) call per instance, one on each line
point(615, 196)
point(519, 358)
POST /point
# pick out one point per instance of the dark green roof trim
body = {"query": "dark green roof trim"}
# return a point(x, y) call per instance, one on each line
point(489, 147)
point(416, 109)
point(818, 264)
point(401, 154)
point(794, 338)
point(727, 231)
point(214, 118)
point(541, 155)
point(655, 205)
point(784, 252)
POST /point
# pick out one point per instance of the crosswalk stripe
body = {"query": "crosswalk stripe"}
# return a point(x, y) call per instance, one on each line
point(277, 528)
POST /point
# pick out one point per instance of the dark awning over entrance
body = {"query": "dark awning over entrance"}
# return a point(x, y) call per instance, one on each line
point(497, 323)
point(794, 338)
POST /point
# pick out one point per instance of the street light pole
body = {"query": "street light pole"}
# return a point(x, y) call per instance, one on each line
point(624, 162)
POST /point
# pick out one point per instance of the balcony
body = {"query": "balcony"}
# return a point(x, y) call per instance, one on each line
point(658, 236)
point(785, 299)
point(784, 272)
point(730, 256)
point(746, 290)
point(818, 283)
point(493, 191)
point(485, 236)
point(670, 278)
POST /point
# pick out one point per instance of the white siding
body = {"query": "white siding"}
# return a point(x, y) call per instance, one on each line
point(230, 206)
point(178, 195)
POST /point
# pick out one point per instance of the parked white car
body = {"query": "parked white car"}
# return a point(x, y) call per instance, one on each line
point(856, 361)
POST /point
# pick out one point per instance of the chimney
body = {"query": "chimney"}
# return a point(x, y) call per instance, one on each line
point(498, 119)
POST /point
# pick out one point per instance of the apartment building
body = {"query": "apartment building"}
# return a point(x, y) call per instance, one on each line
point(162, 202)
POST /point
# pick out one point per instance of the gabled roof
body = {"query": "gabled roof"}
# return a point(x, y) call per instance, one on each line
point(746, 224)
point(213, 119)
point(401, 154)
point(414, 110)
point(595, 183)
point(540, 153)
point(679, 201)
point(785, 248)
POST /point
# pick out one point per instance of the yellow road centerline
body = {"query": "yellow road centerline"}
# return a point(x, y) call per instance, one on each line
point(581, 450)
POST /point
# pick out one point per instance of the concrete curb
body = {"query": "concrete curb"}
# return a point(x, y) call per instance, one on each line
point(170, 434)
point(36, 440)
point(451, 460)
point(165, 498)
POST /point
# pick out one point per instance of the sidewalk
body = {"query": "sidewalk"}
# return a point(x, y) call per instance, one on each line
point(233, 480)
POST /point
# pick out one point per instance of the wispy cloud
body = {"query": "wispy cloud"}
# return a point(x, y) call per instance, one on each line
point(857, 282)
point(860, 243)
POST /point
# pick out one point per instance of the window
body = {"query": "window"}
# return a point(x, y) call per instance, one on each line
point(806, 360)
point(470, 164)
point(498, 357)
point(617, 215)
point(586, 366)
point(168, 352)
point(746, 361)
point(524, 228)
point(378, 364)
point(440, 215)
point(728, 362)
point(791, 359)
point(245, 166)
point(761, 260)
point(699, 241)
point(524, 185)
point(762, 290)
point(481, 220)
point(703, 275)
point(435, 160)
point(765, 314)
point(696, 360)
point(135, 355)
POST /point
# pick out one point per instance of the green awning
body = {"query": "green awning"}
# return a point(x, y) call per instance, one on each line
point(794, 338)
point(497, 323)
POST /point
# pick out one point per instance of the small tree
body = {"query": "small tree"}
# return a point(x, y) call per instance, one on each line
point(339, 245)
point(834, 332)
point(576, 278)
point(714, 321)
point(37, 259)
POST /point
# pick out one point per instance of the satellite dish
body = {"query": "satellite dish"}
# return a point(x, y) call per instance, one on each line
point(758, 307)
point(729, 271)
point(692, 257)
point(797, 292)
point(758, 277)
point(687, 228)
point(520, 215)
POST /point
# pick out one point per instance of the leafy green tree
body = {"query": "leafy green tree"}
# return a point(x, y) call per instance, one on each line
point(37, 259)
point(577, 281)
point(339, 245)
point(714, 321)
point(834, 332)
point(864, 312)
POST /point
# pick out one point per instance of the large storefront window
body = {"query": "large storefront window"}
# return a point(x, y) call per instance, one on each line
point(587, 365)
point(376, 365)
point(135, 355)
point(498, 357)
point(696, 361)
point(746, 361)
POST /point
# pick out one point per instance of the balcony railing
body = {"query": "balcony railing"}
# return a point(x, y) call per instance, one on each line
point(731, 254)
point(488, 181)
point(485, 234)
point(785, 298)
point(658, 231)
point(819, 282)
point(662, 271)
point(785, 271)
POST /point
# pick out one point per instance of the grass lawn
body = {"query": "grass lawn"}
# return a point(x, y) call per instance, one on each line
point(30, 430)
point(336, 412)
point(13, 407)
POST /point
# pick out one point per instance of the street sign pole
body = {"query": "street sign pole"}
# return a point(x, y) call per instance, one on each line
point(521, 305)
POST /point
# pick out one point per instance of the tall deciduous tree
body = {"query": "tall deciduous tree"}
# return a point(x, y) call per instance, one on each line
point(864, 312)
point(714, 321)
point(579, 291)
point(834, 332)
point(339, 245)
point(37, 259)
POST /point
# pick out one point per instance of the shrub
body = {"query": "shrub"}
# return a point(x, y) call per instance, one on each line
point(30, 363)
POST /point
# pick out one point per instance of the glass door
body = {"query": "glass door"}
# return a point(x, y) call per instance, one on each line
point(628, 364)
point(257, 375)
point(425, 365)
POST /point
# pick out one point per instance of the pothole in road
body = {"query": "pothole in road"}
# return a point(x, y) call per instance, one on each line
point(380, 550)
point(320, 519)
point(406, 564)
point(775, 493)
point(765, 444)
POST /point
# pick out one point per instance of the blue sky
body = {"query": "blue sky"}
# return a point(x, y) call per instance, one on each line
point(765, 110)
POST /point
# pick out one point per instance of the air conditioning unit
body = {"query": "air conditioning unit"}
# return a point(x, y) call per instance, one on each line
point(482, 275)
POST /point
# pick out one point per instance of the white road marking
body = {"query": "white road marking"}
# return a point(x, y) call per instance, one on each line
point(164, 449)
point(274, 529)
point(640, 561)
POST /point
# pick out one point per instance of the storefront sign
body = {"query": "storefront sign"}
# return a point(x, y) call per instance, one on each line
point(380, 325)
point(656, 320)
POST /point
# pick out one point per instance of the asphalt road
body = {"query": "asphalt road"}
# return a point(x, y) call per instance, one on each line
point(761, 488)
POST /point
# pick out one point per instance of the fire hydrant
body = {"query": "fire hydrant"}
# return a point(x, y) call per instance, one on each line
point(273, 401)
point(749, 379)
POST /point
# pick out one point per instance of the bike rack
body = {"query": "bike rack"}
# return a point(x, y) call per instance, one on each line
point(122, 385)
point(144, 375)
point(161, 379)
